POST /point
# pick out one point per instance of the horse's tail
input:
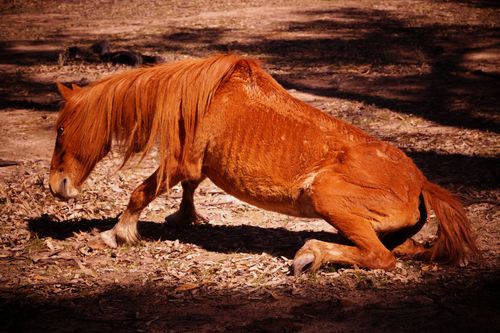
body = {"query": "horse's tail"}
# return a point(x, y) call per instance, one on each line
point(455, 243)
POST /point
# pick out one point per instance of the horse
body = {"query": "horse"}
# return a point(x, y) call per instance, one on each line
point(224, 117)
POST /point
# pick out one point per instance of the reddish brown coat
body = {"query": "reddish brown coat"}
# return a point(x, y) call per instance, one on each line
point(225, 118)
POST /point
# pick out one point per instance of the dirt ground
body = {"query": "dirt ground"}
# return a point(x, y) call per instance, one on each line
point(423, 75)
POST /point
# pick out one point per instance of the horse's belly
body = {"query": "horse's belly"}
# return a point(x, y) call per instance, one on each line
point(262, 192)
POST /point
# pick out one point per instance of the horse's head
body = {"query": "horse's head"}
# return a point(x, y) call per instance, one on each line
point(78, 148)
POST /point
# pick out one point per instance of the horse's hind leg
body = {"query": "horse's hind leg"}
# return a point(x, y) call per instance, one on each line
point(187, 214)
point(412, 249)
point(341, 204)
point(368, 251)
point(400, 242)
point(126, 228)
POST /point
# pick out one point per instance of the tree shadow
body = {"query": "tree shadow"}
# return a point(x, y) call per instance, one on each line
point(194, 35)
point(349, 53)
point(19, 88)
point(19, 91)
point(29, 53)
point(432, 306)
point(474, 172)
point(440, 85)
point(433, 71)
point(493, 4)
point(216, 238)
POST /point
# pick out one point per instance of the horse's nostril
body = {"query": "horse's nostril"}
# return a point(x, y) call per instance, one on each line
point(64, 185)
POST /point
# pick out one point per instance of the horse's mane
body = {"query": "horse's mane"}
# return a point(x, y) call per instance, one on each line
point(139, 108)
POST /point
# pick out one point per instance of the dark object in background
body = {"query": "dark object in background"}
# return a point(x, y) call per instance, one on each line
point(5, 163)
point(130, 58)
point(147, 59)
point(101, 52)
point(81, 53)
point(101, 47)
point(123, 57)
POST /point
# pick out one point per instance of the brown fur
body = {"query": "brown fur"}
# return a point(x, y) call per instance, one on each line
point(225, 118)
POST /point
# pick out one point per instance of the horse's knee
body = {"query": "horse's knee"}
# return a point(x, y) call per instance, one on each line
point(388, 262)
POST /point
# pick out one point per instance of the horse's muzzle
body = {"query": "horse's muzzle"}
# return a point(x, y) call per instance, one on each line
point(62, 187)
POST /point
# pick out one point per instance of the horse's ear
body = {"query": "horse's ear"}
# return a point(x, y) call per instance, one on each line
point(64, 91)
point(75, 87)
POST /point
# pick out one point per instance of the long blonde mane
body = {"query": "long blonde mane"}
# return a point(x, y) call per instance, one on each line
point(139, 108)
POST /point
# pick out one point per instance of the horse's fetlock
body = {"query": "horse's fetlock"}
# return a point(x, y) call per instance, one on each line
point(386, 262)
point(377, 260)
point(390, 264)
point(126, 233)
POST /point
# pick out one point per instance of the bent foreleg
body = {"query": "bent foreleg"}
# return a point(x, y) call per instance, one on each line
point(125, 231)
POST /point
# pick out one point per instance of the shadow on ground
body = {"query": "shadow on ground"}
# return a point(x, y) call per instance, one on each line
point(474, 172)
point(442, 72)
point(218, 238)
point(435, 306)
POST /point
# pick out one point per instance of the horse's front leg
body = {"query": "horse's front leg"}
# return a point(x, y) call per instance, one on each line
point(125, 231)
point(187, 214)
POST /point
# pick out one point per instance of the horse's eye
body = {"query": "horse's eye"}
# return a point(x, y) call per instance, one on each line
point(60, 130)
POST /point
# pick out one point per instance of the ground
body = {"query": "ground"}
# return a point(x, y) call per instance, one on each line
point(423, 75)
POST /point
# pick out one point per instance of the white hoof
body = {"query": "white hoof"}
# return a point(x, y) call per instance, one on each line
point(109, 238)
point(301, 262)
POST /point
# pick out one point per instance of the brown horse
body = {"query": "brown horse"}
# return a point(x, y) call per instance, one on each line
point(225, 118)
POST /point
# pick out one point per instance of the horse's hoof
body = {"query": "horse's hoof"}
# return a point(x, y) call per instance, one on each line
point(97, 244)
point(109, 238)
point(199, 220)
point(300, 262)
point(179, 219)
point(175, 220)
point(464, 262)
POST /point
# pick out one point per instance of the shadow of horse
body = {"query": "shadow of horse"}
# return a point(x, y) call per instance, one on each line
point(217, 238)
